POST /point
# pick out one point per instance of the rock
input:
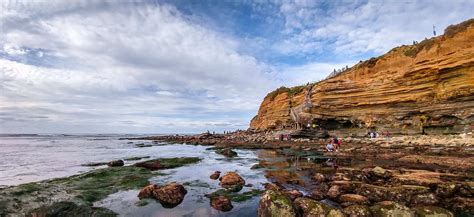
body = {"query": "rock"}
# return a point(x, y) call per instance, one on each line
point(221, 203)
point(147, 191)
point(115, 163)
point(275, 203)
point(429, 211)
point(317, 194)
point(151, 165)
point(169, 195)
point(466, 189)
point(334, 192)
point(256, 166)
point(215, 175)
point(231, 179)
point(354, 199)
point(292, 194)
point(340, 177)
point(424, 199)
point(345, 185)
point(358, 211)
point(399, 193)
point(272, 186)
point(308, 207)
point(319, 177)
point(461, 204)
point(445, 190)
point(391, 209)
point(379, 172)
point(227, 152)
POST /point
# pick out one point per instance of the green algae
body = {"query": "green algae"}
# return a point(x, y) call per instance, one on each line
point(170, 163)
point(83, 189)
point(197, 183)
point(27, 188)
point(71, 209)
point(234, 196)
point(135, 158)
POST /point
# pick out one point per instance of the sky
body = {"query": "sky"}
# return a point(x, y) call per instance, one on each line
point(185, 66)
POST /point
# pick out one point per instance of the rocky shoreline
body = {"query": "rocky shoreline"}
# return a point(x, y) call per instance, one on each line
point(405, 176)
point(411, 175)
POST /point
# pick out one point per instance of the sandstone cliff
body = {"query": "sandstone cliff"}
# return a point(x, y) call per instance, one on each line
point(423, 88)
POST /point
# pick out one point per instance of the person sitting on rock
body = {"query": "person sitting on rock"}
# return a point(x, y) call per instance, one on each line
point(330, 147)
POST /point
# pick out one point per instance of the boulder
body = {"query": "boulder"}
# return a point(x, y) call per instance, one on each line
point(428, 211)
point(256, 166)
point(221, 203)
point(358, 211)
point(390, 209)
point(115, 163)
point(215, 175)
point(231, 180)
point(169, 195)
point(292, 194)
point(275, 203)
point(147, 191)
point(353, 199)
point(308, 208)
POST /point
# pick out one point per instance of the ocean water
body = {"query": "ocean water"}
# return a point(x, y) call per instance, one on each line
point(30, 158)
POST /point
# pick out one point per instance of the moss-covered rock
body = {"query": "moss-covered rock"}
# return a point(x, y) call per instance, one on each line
point(432, 211)
point(391, 209)
point(275, 203)
point(308, 207)
point(358, 211)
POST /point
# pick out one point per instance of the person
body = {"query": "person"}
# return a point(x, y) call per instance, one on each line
point(330, 146)
point(339, 142)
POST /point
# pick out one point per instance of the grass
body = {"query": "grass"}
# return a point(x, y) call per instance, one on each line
point(413, 50)
point(452, 30)
point(291, 91)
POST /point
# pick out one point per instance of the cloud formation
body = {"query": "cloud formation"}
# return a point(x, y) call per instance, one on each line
point(144, 67)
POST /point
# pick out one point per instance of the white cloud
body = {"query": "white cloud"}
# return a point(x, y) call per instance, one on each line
point(124, 66)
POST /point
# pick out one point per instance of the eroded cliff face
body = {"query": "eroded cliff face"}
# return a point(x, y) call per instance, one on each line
point(424, 88)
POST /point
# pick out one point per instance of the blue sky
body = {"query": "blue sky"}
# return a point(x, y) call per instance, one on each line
point(185, 66)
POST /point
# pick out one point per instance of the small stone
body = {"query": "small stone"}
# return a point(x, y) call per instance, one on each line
point(334, 192)
point(319, 177)
point(221, 203)
point(293, 194)
point(115, 163)
point(215, 175)
point(354, 198)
